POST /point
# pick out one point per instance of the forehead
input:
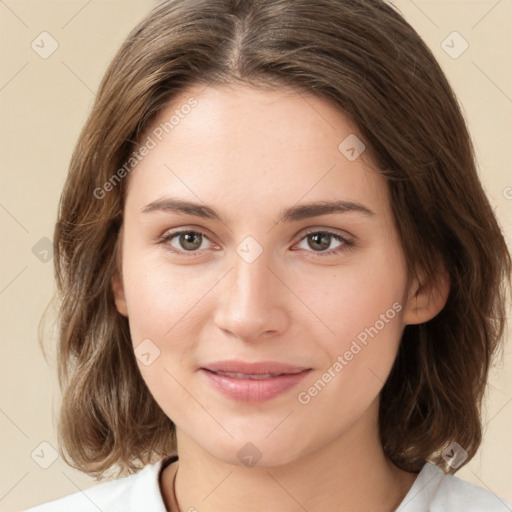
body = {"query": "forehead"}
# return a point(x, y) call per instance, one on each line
point(256, 146)
point(249, 119)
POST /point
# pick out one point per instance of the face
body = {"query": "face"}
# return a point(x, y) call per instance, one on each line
point(255, 273)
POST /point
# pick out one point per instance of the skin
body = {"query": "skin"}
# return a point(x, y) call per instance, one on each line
point(248, 153)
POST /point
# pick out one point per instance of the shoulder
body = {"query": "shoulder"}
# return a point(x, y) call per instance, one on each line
point(457, 494)
point(435, 491)
point(136, 492)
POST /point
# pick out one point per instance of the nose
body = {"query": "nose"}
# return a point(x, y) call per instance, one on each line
point(251, 304)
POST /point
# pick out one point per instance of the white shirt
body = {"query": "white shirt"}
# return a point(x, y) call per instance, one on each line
point(432, 491)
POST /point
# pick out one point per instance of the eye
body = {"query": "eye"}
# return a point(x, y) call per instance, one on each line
point(190, 241)
point(187, 241)
point(321, 240)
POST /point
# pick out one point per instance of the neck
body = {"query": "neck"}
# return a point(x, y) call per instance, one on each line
point(351, 473)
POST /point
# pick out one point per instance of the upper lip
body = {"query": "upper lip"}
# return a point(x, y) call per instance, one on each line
point(256, 368)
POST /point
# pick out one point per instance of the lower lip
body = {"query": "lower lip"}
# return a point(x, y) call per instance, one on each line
point(252, 390)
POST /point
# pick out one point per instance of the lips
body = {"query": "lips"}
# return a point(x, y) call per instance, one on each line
point(237, 375)
point(253, 382)
point(269, 368)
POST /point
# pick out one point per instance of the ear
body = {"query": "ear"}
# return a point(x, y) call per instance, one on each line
point(425, 302)
point(119, 296)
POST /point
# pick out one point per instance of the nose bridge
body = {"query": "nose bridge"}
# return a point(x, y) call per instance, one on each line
point(250, 279)
point(248, 305)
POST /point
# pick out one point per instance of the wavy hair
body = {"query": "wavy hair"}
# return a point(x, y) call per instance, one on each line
point(364, 58)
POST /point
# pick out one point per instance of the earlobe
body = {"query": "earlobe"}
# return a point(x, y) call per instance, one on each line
point(425, 302)
point(119, 296)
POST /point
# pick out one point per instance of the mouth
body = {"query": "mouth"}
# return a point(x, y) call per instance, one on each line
point(253, 382)
point(255, 376)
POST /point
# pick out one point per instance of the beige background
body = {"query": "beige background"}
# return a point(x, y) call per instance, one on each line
point(44, 103)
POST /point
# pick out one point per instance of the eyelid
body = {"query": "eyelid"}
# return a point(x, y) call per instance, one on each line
point(331, 231)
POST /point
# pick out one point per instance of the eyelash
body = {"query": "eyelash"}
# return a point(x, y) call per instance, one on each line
point(346, 244)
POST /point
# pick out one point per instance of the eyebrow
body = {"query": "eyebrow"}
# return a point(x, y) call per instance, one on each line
point(291, 214)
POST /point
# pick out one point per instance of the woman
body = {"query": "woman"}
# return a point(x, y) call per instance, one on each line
point(281, 282)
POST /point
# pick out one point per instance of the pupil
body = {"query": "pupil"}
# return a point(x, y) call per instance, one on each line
point(321, 236)
point(188, 243)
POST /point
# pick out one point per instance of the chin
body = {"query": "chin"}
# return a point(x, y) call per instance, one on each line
point(264, 453)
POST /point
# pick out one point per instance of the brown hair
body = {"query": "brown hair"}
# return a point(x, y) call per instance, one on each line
point(362, 56)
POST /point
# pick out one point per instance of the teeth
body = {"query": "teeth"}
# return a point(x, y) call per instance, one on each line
point(236, 375)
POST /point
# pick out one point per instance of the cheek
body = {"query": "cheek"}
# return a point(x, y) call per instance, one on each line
point(162, 298)
point(163, 317)
point(354, 297)
point(366, 331)
point(360, 309)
